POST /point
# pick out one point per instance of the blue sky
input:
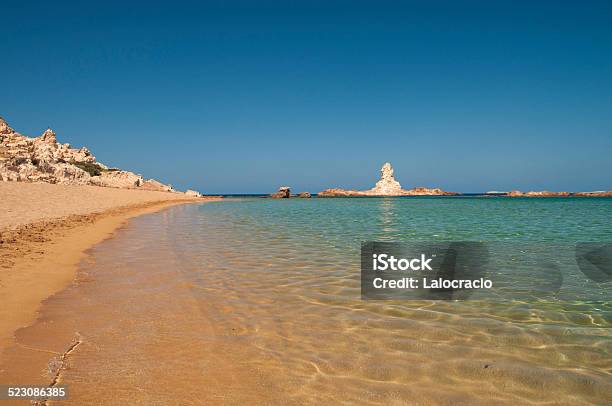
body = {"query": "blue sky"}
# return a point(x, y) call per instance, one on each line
point(232, 97)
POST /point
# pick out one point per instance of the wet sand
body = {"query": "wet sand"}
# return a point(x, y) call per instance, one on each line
point(44, 231)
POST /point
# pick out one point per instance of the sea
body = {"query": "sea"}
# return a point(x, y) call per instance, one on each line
point(249, 300)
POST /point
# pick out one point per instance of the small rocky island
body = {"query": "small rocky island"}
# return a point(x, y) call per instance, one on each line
point(284, 192)
point(546, 193)
point(386, 186)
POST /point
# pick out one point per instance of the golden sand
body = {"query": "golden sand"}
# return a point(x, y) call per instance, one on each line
point(44, 231)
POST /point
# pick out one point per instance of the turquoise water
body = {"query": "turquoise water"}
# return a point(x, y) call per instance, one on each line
point(258, 301)
point(541, 233)
point(427, 218)
point(302, 256)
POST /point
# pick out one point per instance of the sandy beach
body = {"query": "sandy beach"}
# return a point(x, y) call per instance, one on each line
point(44, 232)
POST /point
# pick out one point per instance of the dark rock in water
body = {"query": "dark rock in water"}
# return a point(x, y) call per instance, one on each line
point(284, 192)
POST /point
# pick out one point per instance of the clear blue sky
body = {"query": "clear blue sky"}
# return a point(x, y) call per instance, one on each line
point(233, 97)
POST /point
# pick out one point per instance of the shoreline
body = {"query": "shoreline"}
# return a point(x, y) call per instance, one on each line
point(40, 258)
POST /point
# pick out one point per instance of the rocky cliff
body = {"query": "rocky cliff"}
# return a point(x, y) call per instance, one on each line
point(386, 186)
point(44, 159)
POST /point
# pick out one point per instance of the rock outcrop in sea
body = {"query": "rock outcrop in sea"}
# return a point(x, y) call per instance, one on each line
point(44, 159)
point(284, 192)
point(386, 186)
point(546, 193)
point(542, 193)
point(599, 193)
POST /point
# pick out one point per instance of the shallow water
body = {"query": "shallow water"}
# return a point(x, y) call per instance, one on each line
point(258, 301)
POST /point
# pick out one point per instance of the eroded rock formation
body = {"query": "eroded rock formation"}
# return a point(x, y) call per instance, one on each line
point(44, 159)
point(284, 192)
point(386, 186)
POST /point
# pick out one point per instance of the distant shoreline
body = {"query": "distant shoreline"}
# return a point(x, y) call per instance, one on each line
point(484, 194)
